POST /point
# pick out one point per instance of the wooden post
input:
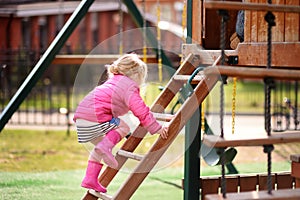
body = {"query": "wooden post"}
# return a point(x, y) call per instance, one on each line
point(295, 169)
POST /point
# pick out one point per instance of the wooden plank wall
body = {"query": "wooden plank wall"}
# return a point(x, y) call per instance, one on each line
point(244, 183)
point(206, 26)
point(287, 24)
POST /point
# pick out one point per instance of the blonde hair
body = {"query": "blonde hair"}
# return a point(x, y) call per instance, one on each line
point(131, 66)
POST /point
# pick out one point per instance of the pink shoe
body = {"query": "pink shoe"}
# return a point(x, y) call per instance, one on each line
point(90, 180)
point(104, 151)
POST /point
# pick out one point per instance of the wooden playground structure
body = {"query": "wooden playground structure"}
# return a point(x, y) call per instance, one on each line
point(270, 51)
point(262, 55)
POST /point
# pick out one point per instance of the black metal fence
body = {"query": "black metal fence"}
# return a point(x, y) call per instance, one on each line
point(49, 102)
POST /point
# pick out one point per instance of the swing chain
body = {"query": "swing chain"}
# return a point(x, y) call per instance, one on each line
point(233, 104)
point(144, 32)
point(268, 150)
point(159, 47)
point(269, 84)
point(296, 122)
point(224, 18)
point(270, 19)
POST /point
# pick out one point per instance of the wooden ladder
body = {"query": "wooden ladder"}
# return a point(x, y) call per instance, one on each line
point(177, 122)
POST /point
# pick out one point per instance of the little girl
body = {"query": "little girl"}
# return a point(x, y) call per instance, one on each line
point(96, 117)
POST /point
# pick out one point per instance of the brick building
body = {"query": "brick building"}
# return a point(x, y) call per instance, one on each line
point(34, 24)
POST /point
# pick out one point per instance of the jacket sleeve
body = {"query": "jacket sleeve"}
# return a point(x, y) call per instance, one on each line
point(138, 107)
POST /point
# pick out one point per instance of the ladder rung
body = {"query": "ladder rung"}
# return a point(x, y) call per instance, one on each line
point(163, 116)
point(276, 138)
point(130, 155)
point(100, 195)
point(196, 79)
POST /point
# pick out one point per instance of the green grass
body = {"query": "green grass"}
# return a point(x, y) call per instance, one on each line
point(41, 185)
point(46, 165)
point(32, 150)
point(50, 165)
point(66, 185)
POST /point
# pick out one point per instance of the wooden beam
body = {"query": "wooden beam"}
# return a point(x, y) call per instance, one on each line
point(254, 73)
point(92, 59)
point(243, 73)
point(284, 54)
point(234, 141)
point(230, 5)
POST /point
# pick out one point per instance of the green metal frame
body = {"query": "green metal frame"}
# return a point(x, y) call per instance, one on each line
point(192, 158)
point(192, 137)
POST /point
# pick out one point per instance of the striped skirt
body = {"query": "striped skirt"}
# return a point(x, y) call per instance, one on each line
point(88, 131)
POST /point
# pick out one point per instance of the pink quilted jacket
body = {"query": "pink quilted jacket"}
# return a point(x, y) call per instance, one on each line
point(114, 98)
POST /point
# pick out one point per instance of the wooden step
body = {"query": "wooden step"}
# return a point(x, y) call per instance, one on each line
point(288, 194)
point(163, 116)
point(231, 5)
point(185, 78)
point(234, 141)
point(253, 73)
point(100, 195)
point(131, 155)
